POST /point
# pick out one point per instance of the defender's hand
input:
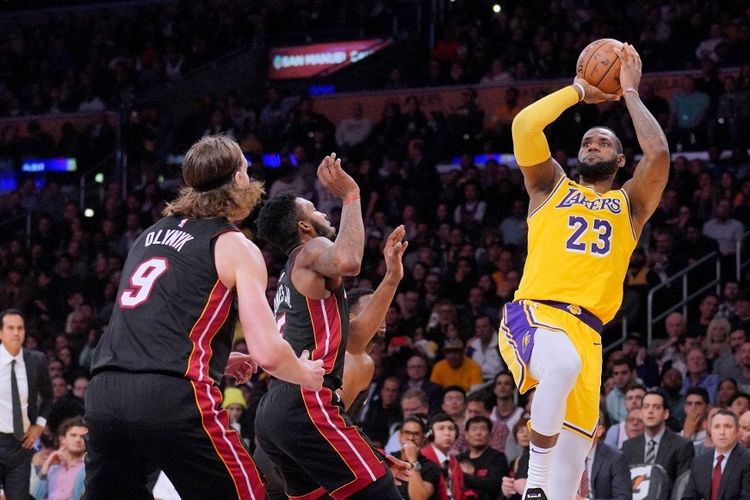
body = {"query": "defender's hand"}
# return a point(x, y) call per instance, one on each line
point(335, 179)
point(395, 246)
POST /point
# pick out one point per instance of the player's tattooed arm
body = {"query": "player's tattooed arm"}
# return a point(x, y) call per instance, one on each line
point(651, 174)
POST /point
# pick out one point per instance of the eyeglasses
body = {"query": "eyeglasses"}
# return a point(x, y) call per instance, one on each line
point(416, 434)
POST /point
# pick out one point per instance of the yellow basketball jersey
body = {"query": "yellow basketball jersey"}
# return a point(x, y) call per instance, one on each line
point(580, 244)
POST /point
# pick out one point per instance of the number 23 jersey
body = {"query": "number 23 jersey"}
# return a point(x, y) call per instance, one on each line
point(580, 244)
point(172, 314)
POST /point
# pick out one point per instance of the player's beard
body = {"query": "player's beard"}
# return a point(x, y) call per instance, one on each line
point(598, 171)
point(325, 231)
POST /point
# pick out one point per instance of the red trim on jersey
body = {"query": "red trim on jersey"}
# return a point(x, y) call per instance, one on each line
point(313, 495)
point(227, 443)
point(345, 440)
point(326, 326)
point(215, 313)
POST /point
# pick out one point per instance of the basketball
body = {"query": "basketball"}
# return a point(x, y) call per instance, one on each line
point(599, 65)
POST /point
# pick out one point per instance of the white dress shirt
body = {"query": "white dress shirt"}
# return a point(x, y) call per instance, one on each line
point(6, 400)
point(724, 460)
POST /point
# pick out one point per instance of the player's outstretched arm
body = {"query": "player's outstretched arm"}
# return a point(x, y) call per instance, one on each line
point(343, 257)
point(651, 174)
point(364, 326)
point(240, 265)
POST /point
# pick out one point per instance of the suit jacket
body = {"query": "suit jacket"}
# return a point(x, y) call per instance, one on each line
point(675, 453)
point(735, 480)
point(40, 386)
point(610, 474)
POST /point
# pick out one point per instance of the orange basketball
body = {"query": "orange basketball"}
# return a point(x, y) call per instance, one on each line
point(599, 65)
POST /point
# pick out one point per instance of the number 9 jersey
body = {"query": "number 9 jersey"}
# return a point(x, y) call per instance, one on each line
point(172, 315)
point(580, 244)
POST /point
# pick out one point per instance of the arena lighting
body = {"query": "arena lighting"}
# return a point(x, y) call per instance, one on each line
point(99, 178)
point(496, 8)
point(89, 212)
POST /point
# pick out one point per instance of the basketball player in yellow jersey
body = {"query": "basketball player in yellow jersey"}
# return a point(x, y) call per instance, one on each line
point(581, 235)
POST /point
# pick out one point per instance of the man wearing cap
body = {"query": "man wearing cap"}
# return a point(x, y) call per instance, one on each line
point(456, 368)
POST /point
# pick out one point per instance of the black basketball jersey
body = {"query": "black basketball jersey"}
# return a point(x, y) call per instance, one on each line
point(172, 315)
point(319, 325)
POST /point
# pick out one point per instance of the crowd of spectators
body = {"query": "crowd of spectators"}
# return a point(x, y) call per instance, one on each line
point(516, 43)
point(466, 230)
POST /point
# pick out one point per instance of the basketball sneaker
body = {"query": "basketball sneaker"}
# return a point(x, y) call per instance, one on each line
point(535, 494)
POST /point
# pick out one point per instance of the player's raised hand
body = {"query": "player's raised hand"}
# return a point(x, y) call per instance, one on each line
point(630, 66)
point(335, 179)
point(594, 95)
point(393, 252)
point(315, 371)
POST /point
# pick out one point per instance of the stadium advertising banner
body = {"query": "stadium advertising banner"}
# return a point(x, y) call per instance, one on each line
point(306, 61)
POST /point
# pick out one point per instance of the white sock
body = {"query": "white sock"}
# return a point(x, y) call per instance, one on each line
point(540, 460)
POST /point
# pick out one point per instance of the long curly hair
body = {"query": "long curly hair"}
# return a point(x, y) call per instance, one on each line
point(208, 170)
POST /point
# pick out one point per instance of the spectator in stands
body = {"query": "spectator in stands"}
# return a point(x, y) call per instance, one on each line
point(514, 483)
point(716, 343)
point(353, 131)
point(454, 405)
point(740, 403)
point(623, 374)
point(413, 402)
point(666, 350)
point(743, 370)
point(725, 473)
point(235, 405)
point(698, 374)
point(456, 368)
point(689, 109)
point(424, 476)
point(741, 320)
point(707, 309)
point(728, 303)
point(62, 474)
point(482, 465)
point(658, 444)
point(727, 390)
point(383, 412)
point(478, 405)
point(618, 433)
point(482, 348)
point(646, 367)
point(696, 410)
point(726, 231)
point(744, 433)
point(416, 378)
point(607, 471)
point(513, 228)
point(444, 433)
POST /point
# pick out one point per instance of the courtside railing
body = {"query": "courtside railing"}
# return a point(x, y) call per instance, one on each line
point(687, 295)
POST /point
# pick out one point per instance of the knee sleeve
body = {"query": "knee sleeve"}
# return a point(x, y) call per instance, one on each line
point(555, 364)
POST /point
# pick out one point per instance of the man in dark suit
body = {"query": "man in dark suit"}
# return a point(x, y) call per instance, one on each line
point(658, 444)
point(607, 469)
point(25, 404)
point(725, 473)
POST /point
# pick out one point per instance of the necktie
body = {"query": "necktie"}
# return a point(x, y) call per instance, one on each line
point(16, 398)
point(651, 452)
point(716, 478)
point(584, 490)
point(448, 479)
